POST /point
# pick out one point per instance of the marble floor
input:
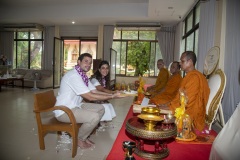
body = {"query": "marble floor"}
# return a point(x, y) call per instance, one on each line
point(19, 139)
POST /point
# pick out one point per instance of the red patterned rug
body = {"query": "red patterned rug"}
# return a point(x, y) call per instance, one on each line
point(178, 150)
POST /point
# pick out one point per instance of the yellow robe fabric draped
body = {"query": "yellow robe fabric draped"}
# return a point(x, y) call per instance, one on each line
point(161, 81)
point(169, 91)
point(197, 90)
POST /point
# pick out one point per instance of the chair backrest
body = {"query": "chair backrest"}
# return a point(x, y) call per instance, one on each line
point(216, 83)
point(169, 67)
point(44, 100)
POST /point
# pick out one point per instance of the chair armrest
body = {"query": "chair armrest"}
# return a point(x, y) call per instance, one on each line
point(63, 108)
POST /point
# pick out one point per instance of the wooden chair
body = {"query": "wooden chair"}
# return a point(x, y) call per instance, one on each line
point(216, 83)
point(44, 102)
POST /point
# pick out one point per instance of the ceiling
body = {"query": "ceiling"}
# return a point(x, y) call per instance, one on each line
point(93, 12)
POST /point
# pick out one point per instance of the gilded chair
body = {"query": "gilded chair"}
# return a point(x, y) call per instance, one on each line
point(44, 102)
point(217, 83)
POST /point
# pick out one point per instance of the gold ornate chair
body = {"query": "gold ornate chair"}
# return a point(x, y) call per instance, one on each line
point(217, 83)
point(44, 102)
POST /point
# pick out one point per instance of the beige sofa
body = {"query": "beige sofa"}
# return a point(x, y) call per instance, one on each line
point(44, 78)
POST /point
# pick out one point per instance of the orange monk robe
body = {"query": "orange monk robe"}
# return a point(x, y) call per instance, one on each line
point(170, 91)
point(161, 81)
point(196, 87)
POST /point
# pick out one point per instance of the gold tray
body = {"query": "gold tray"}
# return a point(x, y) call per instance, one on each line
point(150, 117)
point(193, 137)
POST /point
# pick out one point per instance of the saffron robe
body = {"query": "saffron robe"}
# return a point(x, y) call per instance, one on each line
point(169, 91)
point(161, 81)
point(197, 90)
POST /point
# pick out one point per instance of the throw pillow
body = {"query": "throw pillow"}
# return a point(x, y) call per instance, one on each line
point(28, 75)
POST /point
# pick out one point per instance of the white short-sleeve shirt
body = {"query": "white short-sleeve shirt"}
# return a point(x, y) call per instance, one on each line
point(95, 82)
point(71, 88)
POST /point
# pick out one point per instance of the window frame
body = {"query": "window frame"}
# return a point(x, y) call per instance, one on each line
point(28, 40)
point(126, 41)
point(195, 28)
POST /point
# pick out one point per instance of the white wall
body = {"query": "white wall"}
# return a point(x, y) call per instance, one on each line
point(78, 31)
point(63, 31)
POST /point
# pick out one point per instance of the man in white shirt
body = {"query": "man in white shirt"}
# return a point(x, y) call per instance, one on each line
point(75, 86)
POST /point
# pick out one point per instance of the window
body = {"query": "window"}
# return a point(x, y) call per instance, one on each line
point(190, 31)
point(28, 49)
point(137, 53)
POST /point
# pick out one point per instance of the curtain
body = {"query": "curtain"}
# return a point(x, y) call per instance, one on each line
point(178, 40)
point(108, 32)
point(166, 39)
point(6, 43)
point(206, 30)
point(47, 57)
point(232, 58)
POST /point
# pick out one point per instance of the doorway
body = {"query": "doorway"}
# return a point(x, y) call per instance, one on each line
point(66, 53)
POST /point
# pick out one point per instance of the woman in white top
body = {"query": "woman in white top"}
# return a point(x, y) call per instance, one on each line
point(101, 80)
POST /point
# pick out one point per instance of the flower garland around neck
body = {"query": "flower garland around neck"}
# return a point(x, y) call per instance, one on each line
point(82, 74)
point(104, 82)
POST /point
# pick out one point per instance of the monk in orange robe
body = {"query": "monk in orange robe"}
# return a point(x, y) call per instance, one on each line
point(197, 90)
point(171, 89)
point(162, 79)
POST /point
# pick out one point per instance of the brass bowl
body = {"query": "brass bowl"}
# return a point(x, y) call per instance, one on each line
point(150, 121)
point(150, 110)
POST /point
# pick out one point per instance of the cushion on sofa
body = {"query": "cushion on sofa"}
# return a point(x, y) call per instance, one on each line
point(20, 71)
point(28, 75)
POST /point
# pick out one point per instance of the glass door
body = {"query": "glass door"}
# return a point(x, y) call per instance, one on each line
point(71, 54)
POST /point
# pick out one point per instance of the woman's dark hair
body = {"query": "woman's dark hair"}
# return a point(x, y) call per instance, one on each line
point(98, 75)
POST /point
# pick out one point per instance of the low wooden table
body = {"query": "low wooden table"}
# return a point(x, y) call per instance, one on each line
point(4, 80)
point(162, 132)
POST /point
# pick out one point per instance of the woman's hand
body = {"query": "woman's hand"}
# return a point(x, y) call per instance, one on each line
point(118, 95)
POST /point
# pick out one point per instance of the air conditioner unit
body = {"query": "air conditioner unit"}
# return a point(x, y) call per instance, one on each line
point(138, 26)
point(22, 27)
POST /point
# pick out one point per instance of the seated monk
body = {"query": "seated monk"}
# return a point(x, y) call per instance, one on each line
point(171, 89)
point(162, 79)
point(196, 88)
